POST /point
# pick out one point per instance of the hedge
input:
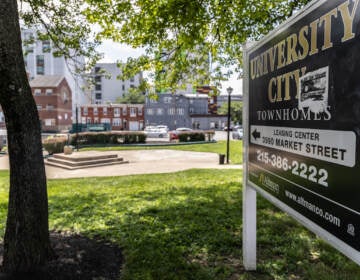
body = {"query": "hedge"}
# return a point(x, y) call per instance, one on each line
point(109, 137)
point(191, 136)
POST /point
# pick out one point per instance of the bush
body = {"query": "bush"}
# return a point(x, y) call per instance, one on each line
point(106, 138)
point(191, 136)
point(55, 145)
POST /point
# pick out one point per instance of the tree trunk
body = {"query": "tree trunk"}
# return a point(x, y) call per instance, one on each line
point(26, 241)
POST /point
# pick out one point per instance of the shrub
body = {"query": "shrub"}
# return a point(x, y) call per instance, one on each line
point(55, 145)
point(105, 138)
point(191, 136)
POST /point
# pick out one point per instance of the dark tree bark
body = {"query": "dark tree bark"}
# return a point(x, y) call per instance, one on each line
point(26, 241)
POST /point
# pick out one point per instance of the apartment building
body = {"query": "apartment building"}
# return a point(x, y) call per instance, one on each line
point(193, 110)
point(119, 116)
point(107, 87)
point(53, 99)
point(39, 60)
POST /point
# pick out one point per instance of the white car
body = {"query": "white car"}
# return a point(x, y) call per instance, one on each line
point(155, 132)
point(238, 133)
point(164, 127)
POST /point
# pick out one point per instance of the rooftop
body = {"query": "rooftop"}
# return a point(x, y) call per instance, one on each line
point(46, 81)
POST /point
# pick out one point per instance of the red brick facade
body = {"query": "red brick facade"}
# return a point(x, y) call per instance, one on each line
point(54, 103)
point(212, 101)
point(120, 116)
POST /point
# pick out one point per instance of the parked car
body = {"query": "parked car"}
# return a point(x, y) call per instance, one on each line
point(164, 127)
point(226, 128)
point(174, 134)
point(155, 132)
point(238, 133)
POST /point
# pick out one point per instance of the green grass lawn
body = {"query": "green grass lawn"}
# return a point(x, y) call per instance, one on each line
point(235, 149)
point(186, 225)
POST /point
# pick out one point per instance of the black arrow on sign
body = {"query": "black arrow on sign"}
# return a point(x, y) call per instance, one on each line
point(256, 134)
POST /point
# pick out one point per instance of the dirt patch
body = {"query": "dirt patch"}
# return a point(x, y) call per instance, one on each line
point(78, 258)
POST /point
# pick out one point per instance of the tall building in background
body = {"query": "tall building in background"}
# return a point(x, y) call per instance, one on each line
point(107, 87)
point(39, 61)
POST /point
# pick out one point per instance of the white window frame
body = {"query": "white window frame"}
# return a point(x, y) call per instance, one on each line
point(132, 112)
point(116, 112)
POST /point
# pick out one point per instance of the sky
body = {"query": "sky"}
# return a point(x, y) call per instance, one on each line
point(114, 52)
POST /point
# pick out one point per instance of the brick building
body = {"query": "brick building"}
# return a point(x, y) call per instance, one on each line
point(119, 116)
point(53, 99)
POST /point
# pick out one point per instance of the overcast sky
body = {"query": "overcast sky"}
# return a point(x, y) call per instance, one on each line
point(115, 51)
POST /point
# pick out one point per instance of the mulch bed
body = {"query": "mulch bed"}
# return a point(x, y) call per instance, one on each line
point(78, 258)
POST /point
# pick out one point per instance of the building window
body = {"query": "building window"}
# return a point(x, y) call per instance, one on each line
point(191, 110)
point(180, 111)
point(46, 46)
point(95, 110)
point(159, 111)
point(85, 111)
point(49, 122)
point(37, 92)
point(116, 122)
point(171, 111)
point(39, 107)
point(98, 87)
point(116, 112)
point(139, 111)
point(98, 79)
point(167, 99)
point(29, 49)
point(132, 86)
point(40, 67)
point(191, 101)
point(98, 96)
point(150, 111)
point(124, 112)
point(49, 107)
point(105, 120)
point(105, 110)
point(49, 91)
point(132, 112)
point(97, 69)
point(123, 87)
point(132, 79)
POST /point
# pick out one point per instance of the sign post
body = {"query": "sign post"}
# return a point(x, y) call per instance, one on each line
point(302, 116)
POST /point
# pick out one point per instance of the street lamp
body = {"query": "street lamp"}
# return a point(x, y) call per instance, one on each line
point(229, 91)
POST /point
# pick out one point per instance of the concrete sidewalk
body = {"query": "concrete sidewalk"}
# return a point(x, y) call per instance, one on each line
point(140, 162)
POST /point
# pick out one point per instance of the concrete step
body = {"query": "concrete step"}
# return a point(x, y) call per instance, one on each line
point(70, 167)
point(78, 157)
point(87, 161)
point(80, 160)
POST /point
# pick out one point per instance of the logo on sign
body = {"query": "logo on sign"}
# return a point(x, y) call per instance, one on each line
point(351, 229)
point(268, 183)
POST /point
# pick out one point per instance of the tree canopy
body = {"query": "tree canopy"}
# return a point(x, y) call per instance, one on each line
point(182, 38)
point(134, 96)
point(236, 109)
